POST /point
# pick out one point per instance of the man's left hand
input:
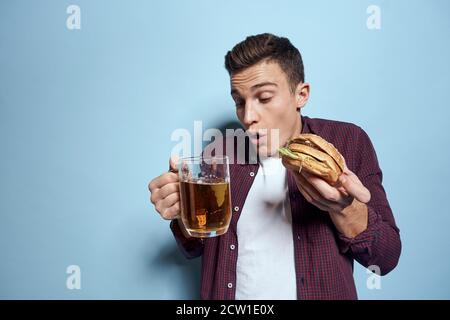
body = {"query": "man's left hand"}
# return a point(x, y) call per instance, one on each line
point(345, 201)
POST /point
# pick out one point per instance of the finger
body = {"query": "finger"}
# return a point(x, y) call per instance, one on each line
point(305, 194)
point(350, 174)
point(338, 185)
point(345, 166)
point(354, 178)
point(154, 196)
point(168, 189)
point(162, 180)
point(289, 166)
point(311, 199)
point(170, 200)
point(172, 213)
point(186, 171)
point(344, 192)
point(214, 167)
point(173, 163)
point(355, 189)
point(315, 195)
point(326, 191)
point(320, 201)
point(305, 185)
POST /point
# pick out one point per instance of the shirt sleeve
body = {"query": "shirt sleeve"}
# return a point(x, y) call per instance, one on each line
point(379, 245)
point(190, 247)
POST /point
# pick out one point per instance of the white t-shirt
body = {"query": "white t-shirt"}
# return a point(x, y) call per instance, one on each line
point(265, 265)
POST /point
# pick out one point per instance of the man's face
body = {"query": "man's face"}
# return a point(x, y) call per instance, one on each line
point(264, 102)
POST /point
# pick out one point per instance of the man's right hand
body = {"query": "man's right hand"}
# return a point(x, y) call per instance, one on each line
point(165, 192)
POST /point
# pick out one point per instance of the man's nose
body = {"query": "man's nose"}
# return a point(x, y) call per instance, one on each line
point(250, 115)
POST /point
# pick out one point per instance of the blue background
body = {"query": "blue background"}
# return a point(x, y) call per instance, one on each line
point(86, 117)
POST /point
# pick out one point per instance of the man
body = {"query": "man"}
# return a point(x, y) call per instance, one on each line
point(292, 235)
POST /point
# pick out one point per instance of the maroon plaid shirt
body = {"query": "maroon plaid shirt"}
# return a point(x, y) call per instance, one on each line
point(323, 256)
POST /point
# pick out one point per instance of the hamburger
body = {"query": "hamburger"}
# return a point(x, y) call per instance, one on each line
point(315, 155)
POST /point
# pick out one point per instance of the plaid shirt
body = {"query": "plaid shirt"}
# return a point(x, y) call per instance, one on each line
point(323, 256)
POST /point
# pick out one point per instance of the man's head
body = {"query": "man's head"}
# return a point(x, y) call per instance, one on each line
point(267, 85)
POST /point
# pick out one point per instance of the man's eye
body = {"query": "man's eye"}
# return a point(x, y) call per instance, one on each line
point(239, 104)
point(265, 100)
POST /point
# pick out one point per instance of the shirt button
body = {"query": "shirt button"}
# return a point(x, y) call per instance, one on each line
point(252, 174)
point(298, 237)
point(232, 247)
point(236, 208)
point(230, 285)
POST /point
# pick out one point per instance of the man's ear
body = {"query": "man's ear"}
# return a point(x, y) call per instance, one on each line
point(302, 94)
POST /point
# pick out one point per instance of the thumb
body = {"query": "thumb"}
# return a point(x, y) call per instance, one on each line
point(173, 161)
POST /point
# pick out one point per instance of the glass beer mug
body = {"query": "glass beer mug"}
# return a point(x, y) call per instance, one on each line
point(205, 195)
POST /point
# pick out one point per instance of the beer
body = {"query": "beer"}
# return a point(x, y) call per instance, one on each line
point(205, 207)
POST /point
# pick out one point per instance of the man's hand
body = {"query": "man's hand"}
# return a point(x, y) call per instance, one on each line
point(165, 193)
point(345, 201)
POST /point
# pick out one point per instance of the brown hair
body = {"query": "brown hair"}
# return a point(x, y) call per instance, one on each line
point(268, 47)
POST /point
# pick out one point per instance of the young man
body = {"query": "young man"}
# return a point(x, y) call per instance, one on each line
point(292, 235)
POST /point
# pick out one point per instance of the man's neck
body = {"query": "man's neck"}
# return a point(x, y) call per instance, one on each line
point(297, 129)
point(298, 126)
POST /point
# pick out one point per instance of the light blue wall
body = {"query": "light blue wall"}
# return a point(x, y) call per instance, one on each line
point(86, 117)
